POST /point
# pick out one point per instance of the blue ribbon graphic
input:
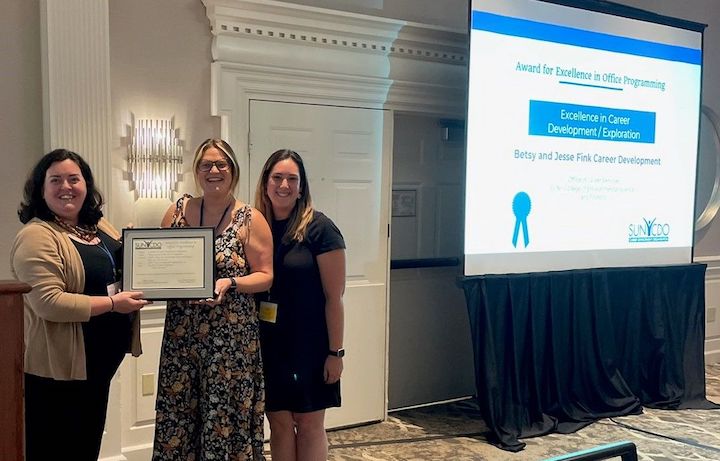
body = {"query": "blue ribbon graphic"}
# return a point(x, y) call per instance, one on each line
point(521, 208)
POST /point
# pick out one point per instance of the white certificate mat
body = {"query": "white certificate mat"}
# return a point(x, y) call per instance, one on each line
point(169, 263)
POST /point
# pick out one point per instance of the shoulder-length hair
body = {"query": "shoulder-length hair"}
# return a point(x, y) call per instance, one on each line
point(226, 150)
point(34, 205)
point(302, 214)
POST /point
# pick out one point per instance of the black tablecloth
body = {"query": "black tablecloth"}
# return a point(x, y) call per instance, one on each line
point(555, 351)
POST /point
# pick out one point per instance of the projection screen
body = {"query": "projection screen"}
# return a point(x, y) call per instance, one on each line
point(582, 137)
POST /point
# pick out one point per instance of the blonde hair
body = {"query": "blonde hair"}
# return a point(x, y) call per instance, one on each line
point(223, 147)
point(302, 213)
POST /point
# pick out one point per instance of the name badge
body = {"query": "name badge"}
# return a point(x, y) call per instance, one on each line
point(268, 311)
point(113, 288)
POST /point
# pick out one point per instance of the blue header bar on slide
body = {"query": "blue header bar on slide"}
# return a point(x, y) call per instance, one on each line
point(571, 36)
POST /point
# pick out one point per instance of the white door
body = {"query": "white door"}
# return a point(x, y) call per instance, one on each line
point(347, 157)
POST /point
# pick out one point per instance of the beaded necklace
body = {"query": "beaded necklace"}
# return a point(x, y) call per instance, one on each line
point(86, 233)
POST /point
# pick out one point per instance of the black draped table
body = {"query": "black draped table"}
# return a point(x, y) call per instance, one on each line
point(555, 351)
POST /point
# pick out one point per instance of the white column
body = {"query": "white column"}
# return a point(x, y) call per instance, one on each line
point(76, 82)
point(76, 116)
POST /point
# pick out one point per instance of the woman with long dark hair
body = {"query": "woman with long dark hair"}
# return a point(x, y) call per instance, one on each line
point(302, 321)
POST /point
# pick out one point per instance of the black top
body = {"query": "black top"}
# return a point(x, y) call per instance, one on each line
point(107, 336)
point(295, 347)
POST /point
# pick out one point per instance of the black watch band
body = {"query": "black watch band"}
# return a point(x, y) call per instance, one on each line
point(233, 284)
point(338, 353)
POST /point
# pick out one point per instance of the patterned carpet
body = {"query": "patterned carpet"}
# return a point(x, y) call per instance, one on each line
point(456, 432)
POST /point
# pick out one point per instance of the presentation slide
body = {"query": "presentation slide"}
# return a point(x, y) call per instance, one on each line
point(582, 139)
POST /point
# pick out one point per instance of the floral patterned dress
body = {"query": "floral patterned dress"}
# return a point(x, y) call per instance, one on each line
point(211, 397)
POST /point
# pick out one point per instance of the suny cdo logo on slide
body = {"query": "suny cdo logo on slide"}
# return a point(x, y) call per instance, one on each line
point(650, 230)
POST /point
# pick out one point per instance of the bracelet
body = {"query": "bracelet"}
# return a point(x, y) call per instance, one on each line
point(112, 304)
point(233, 284)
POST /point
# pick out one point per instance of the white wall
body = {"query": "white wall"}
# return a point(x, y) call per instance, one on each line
point(707, 241)
point(21, 128)
point(160, 69)
point(430, 347)
point(444, 13)
point(160, 55)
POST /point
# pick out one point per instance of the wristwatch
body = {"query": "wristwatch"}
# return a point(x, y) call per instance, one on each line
point(338, 353)
point(233, 284)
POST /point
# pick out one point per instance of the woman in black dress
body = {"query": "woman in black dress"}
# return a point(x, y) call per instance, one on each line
point(302, 321)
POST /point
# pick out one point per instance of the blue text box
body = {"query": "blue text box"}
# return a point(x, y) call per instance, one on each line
point(590, 122)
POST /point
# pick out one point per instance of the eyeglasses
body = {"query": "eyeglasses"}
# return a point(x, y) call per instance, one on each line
point(221, 165)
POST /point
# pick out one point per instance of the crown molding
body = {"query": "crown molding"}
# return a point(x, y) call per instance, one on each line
point(274, 21)
point(423, 66)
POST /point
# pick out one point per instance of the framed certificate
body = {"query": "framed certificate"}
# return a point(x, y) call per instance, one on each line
point(170, 263)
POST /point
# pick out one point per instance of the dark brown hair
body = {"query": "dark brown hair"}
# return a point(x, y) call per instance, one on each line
point(34, 205)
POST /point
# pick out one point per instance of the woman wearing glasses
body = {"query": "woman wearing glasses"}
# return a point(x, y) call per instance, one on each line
point(211, 398)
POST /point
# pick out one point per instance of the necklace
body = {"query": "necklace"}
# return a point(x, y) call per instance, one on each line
point(202, 212)
point(86, 233)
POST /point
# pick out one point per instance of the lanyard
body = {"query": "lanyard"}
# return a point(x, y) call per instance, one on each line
point(105, 250)
point(202, 212)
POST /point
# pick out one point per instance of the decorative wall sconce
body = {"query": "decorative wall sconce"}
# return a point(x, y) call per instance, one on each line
point(155, 158)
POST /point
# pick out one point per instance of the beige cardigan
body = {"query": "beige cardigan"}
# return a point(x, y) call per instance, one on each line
point(44, 257)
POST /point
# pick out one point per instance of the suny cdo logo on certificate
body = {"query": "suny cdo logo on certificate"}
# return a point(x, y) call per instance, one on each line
point(148, 245)
point(650, 230)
